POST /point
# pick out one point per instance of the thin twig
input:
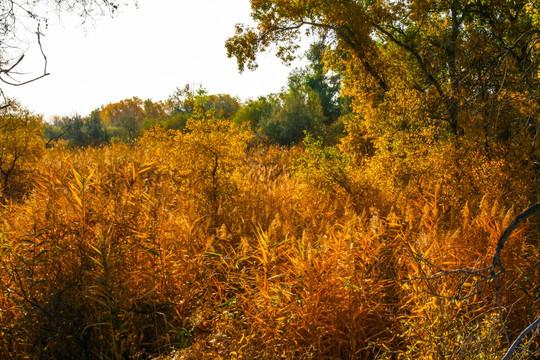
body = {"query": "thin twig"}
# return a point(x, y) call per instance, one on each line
point(8, 71)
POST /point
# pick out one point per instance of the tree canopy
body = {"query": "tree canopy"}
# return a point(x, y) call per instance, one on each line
point(454, 53)
point(419, 74)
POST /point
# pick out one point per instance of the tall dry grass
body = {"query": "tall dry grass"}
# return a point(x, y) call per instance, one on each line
point(193, 245)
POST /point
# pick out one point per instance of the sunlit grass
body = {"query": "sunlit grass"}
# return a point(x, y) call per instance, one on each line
point(195, 246)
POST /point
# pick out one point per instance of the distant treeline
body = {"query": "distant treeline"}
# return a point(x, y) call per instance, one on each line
point(310, 102)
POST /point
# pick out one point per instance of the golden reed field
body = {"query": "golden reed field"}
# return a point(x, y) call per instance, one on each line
point(383, 205)
point(194, 245)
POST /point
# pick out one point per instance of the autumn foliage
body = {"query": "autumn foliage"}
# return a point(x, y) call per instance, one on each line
point(192, 243)
point(371, 239)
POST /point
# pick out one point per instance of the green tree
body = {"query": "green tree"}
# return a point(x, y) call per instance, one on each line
point(96, 129)
point(310, 102)
point(254, 111)
point(73, 127)
point(326, 85)
point(78, 130)
point(295, 112)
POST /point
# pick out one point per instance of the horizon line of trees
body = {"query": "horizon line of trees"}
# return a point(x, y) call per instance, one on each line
point(309, 103)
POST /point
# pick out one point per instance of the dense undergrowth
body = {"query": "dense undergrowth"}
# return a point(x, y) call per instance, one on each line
point(196, 245)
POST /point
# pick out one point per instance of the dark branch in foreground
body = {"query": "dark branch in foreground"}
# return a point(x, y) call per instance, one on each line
point(519, 338)
point(490, 273)
point(58, 137)
point(497, 263)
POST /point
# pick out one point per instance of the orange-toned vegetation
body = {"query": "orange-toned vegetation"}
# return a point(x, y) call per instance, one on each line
point(195, 241)
point(192, 243)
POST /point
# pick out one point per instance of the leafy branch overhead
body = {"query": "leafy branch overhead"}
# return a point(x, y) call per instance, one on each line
point(457, 54)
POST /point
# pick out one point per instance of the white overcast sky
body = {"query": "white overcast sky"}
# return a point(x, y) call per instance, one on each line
point(146, 52)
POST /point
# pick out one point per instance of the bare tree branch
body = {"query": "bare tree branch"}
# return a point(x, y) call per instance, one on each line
point(21, 18)
point(519, 338)
point(494, 270)
point(502, 240)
